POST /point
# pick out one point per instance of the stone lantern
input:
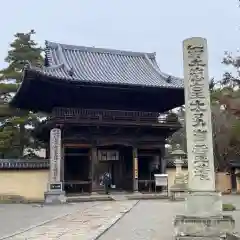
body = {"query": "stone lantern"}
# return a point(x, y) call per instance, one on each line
point(178, 154)
point(180, 185)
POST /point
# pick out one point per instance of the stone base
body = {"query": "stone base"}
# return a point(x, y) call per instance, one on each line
point(203, 218)
point(178, 195)
point(200, 238)
point(178, 192)
point(233, 236)
point(55, 197)
point(203, 227)
point(203, 204)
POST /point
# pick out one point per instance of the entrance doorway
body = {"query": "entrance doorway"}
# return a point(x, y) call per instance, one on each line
point(120, 168)
point(77, 170)
point(148, 165)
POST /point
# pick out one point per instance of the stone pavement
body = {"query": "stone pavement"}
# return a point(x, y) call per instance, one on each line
point(153, 220)
point(148, 220)
point(83, 224)
point(17, 217)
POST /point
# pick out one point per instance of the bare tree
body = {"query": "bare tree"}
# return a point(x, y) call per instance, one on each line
point(222, 124)
point(225, 136)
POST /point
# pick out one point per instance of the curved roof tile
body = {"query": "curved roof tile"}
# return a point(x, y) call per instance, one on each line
point(24, 164)
point(89, 64)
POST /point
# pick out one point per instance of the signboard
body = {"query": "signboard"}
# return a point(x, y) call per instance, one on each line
point(108, 155)
point(161, 179)
point(55, 186)
point(135, 168)
point(55, 154)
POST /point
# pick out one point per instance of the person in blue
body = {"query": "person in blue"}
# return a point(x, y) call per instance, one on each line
point(106, 182)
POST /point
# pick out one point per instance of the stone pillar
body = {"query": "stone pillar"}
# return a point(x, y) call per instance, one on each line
point(203, 217)
point(178, 164)
point(135, 170)
point(55, 193)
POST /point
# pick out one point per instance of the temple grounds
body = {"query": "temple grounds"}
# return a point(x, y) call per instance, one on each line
point(146, 219)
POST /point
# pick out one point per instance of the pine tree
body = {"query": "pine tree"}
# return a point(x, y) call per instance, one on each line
point(14, 136)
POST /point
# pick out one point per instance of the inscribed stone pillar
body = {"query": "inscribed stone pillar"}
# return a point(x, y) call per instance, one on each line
point(135, 170)
point(203, 218)
point(55, 155)
point(198, 116)
point(55, 193)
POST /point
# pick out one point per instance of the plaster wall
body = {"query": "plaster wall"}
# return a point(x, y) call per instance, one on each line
point(223, 180)
point(29, 184)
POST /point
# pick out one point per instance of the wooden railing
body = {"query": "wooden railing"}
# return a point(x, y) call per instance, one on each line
point(113, 116)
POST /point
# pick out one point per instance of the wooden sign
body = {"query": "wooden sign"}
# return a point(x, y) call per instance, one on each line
point(135, 168)
point(108, 155)
point(161, 179)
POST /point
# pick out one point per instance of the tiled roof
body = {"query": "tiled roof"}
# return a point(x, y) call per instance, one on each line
point(24, 164)
point(95, 65)
point(44, 163)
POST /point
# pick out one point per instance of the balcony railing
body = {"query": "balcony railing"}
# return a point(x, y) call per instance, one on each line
point(113, 116)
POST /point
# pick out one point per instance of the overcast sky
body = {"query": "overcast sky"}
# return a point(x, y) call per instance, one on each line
point(139, 25)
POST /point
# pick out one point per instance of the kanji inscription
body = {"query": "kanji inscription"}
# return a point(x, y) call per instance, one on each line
point(55, 154)
point(198, 115)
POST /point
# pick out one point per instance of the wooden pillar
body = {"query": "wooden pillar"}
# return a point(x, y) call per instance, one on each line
point(163, 161)
point(135, 169)
point(94, 163)
point(62, 163)
point(47, 146)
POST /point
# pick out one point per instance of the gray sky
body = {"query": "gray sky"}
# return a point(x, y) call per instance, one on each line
point(139, 25)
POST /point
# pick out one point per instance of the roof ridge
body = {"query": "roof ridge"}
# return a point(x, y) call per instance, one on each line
point(156, 68)
point(55, 45)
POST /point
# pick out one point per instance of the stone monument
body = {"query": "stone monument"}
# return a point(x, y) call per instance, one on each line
point(203, 217)
point(55, 193)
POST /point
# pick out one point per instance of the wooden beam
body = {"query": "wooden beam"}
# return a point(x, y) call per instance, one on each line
point(77, 145)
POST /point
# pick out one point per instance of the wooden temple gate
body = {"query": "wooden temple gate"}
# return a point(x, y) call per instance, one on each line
point(106, 103)
point(128, 144)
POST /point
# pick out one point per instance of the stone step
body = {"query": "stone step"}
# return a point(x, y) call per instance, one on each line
point(118, 197)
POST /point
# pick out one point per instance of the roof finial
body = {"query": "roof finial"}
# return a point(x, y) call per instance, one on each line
point(169, 79)
point(71, 72)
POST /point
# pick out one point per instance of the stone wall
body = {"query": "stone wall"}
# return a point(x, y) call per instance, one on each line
point(223, 182)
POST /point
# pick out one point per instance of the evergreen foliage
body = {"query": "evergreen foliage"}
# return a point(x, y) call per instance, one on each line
point(14, 135)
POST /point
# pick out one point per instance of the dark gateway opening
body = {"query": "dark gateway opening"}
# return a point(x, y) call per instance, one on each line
point(76, 170)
